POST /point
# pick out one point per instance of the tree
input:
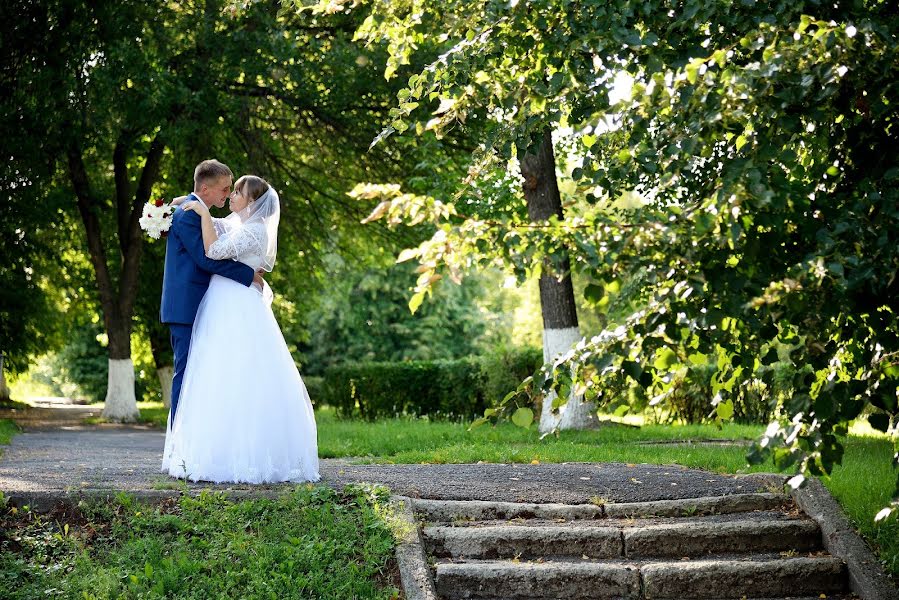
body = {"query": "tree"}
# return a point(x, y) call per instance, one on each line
point(363, 318)
point(560, 324)
point(764, 137)
point(122, 99)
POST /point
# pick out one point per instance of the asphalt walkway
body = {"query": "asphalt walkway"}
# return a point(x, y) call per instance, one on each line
point(69, 458)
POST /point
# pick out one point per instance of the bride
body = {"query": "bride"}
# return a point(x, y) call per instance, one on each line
point(244, 415)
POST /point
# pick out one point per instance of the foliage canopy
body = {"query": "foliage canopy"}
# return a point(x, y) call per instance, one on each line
point(763, 138)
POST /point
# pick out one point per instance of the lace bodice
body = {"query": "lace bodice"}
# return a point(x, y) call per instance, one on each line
point(245, 244)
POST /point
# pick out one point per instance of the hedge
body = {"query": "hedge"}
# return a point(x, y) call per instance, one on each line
point(439, 389)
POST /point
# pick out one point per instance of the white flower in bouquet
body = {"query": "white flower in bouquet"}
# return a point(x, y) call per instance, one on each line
point(157, 218)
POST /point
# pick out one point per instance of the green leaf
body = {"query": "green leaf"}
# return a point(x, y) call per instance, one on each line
point(665, 358)
point(692, 70)
point(725, 410)
point(879, 421)
point(594, 292)
point(698, 358)
point(523, 417)
point(407, 254)
point(416, 301)
point(633, 369)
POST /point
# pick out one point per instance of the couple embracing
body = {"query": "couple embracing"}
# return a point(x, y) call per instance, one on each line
point(240, 411)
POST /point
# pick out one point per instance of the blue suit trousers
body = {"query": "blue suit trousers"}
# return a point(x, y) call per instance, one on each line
point(181, 347)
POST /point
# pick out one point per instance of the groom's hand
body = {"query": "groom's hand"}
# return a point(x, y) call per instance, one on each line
point(257, 278)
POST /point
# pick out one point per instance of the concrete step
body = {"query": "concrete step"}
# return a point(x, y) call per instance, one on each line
point(437, 511)
point(700, 579)
point(743, 535)
point(694, 538)
point(503, 541)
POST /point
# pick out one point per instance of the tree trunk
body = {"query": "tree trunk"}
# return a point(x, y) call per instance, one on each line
point(4, 388)
point(560, 324)
point(162, 358)
point(121, 403)
point(165, 375)
point(117, 304)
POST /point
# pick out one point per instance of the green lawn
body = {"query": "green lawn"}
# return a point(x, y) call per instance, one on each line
point(311, 543)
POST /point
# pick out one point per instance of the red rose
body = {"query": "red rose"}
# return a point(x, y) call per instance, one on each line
point(159, 202)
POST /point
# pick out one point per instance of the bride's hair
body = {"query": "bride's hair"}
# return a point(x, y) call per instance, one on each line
point(251, 186)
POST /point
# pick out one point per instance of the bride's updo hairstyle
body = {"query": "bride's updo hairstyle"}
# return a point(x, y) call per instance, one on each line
point(251, 186)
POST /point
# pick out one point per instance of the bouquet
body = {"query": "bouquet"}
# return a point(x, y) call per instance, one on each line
point(157, 218)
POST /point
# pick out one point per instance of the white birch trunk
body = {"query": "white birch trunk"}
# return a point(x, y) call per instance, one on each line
point(165, 375)
point(121, 402)
point(4, 388)
point(574, 414)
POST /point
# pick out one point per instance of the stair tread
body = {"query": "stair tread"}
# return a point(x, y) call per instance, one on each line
point(626, 523)
point(819, 597)
point(757, 557)
point(479, 509)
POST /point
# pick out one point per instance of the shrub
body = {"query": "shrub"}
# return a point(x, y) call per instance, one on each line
point(315, 387)
point(441, 388)
point(504, 370)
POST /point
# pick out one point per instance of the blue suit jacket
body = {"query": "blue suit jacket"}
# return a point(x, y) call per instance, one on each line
point(188, 270)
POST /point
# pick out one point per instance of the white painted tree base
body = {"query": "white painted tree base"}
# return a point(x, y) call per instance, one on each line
point(121, 403)
point(4, 389)
point(574, 414)
point(165, 375)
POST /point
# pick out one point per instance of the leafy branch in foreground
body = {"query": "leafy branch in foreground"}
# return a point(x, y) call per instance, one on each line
point(764, 138)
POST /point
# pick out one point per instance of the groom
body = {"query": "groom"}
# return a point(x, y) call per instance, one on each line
point(188, 270)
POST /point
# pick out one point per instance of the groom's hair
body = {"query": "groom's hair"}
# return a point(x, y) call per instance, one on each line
point(210, 170)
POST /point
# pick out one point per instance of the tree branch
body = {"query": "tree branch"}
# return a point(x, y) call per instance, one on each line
point(122, 197)
point(87, 207)
point(132, 244)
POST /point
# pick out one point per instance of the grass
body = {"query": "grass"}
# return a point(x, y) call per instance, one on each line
point(863, 485)
point(8, 429)
point(311, 543)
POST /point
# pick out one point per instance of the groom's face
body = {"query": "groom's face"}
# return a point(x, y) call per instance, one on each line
point(219, 190)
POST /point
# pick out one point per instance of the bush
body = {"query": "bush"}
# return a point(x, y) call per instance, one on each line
point(315, 387)
point(691, 397)
point(504, 370)
point(441, 388)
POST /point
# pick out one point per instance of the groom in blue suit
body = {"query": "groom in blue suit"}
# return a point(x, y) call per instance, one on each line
point(188, 270)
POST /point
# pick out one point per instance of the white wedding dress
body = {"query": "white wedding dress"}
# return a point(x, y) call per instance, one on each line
point(244, 414)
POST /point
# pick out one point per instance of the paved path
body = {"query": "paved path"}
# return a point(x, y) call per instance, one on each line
point(74, 457)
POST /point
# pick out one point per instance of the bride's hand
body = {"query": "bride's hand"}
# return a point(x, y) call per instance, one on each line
point(197, 207)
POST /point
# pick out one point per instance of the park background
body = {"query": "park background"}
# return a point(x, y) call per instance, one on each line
point(706, 193)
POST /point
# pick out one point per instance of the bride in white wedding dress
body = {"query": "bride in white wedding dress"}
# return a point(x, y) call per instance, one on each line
point(244, 414)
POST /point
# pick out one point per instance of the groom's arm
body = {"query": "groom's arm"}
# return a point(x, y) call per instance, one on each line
point(188, 231)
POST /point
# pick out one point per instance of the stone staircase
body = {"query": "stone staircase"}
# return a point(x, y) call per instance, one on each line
point(729, 547)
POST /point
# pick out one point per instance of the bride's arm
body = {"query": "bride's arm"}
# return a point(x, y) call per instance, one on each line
point(178, 200)
point(209, 234)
